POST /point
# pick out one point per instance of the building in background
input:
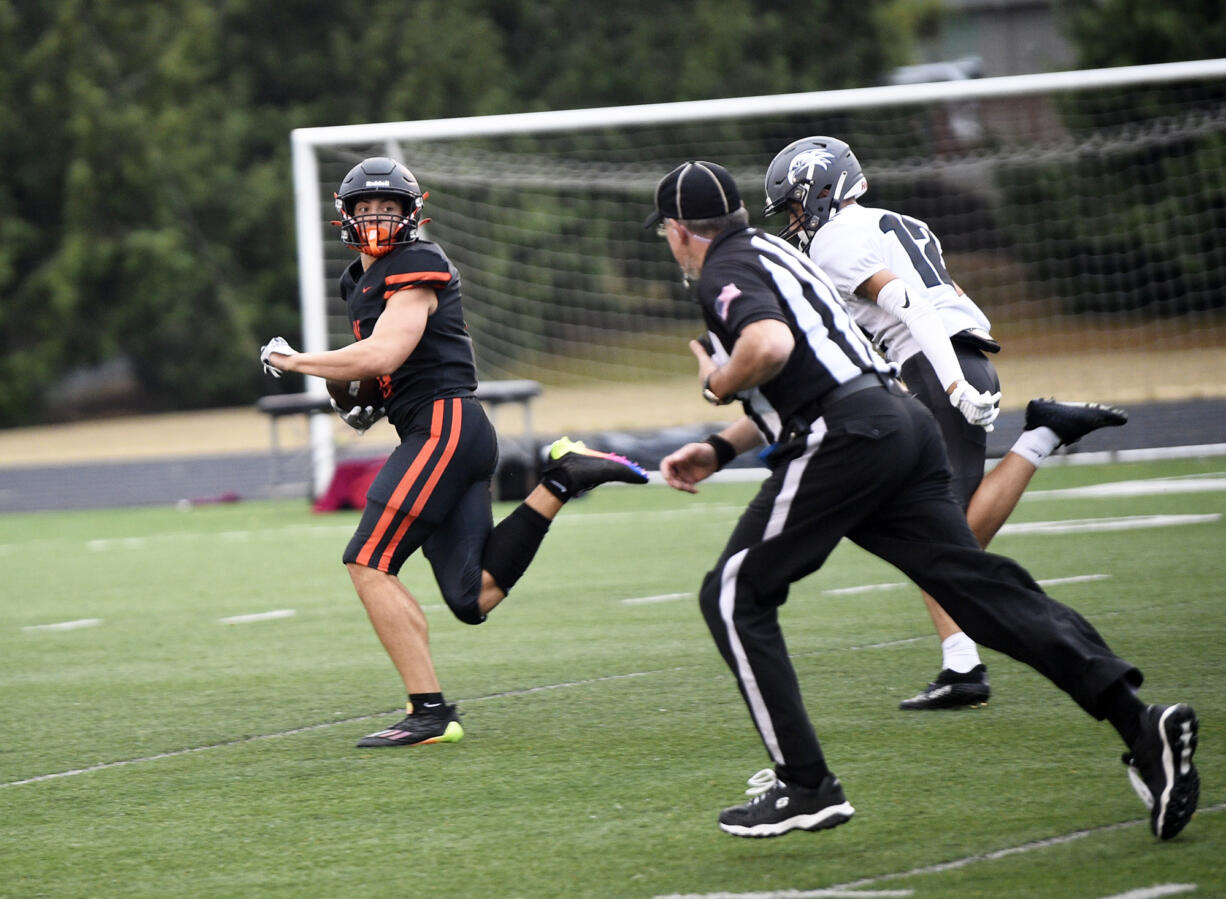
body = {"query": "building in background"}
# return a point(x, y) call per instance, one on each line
point(986, 38)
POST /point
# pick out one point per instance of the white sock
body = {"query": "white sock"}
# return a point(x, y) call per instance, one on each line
point(1036, 445)
point(959, 653)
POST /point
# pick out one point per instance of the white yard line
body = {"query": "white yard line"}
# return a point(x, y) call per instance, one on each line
point(863, 588)
point(64, 625)
point(796, 894)
point(853, 888)
point(1092, 525)
point(663, 597)
point(887, 644)
point(1162, 889)
point(1075, 579)
point(122, 763)
point(1152, 487)
point(259, 616)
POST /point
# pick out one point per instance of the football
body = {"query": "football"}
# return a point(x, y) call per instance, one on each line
point(356, 393)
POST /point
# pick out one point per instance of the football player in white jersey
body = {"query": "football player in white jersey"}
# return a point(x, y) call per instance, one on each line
point(890, 271)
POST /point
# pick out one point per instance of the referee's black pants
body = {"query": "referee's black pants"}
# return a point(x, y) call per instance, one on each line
point(873, 468)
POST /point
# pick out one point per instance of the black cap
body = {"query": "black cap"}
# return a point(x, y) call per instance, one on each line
point(695, 190)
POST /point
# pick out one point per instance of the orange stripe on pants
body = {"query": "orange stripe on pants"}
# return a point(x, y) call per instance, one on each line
point(402, 489)
point(457, 420)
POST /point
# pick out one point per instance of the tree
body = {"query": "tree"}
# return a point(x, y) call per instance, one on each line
point(146, 207)
point(1140, 32)
point(1138, 241)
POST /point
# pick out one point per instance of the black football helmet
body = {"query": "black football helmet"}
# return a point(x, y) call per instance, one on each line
point(818, 173)
point(377, 235)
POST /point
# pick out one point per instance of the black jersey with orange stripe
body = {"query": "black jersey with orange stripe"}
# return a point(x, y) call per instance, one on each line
point(442, 365)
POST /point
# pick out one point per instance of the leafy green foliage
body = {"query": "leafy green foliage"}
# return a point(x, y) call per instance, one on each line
point(146, 210)
point(1132, 234)
point(1139, 32)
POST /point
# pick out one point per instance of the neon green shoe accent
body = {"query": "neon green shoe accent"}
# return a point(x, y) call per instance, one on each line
point(453, 734)
point(564, 445)
point(623, 469)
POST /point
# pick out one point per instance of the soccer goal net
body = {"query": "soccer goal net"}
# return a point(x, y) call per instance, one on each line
point(1080, 209)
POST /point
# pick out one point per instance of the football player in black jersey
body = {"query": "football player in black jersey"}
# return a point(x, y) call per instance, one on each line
point(853, 455)
point(403, 298)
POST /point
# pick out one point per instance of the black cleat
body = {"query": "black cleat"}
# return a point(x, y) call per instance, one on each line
point(418, 728)
point(1072, 421)
point(571, 469)
point(953, 691)
point(778, 807)
point(1160, 767)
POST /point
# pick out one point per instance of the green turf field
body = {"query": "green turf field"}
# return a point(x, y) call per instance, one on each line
point(155, 750)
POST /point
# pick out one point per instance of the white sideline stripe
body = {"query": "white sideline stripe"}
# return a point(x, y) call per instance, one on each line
point(1071, 526)
point(1090, 525)
point(64, 625)
point(1156, 486)
point(259, 616)
point(1162, 889)
point(1151, 454)
point(954, 865)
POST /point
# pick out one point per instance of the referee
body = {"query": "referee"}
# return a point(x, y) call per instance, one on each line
point(852, 454)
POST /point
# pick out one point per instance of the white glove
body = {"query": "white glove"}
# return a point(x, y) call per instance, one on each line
point(276, 345)
point(978, 408)
point(360, 418)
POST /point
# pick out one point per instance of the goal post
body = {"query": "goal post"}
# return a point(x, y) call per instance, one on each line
point(1079, 207)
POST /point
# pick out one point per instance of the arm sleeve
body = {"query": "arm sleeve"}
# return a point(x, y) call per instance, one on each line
point(924, 322)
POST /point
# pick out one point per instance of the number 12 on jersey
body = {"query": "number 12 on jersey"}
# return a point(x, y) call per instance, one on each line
point(921, 247)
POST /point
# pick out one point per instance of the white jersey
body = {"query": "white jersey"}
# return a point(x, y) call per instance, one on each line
point(861, 241)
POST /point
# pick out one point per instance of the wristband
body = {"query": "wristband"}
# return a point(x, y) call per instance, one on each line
point(725, 452)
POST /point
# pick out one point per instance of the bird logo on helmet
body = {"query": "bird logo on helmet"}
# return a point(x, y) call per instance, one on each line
point(809, 179)
point(377, 234)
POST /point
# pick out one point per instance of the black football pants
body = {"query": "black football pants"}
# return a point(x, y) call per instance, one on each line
point(966, 445)
point(874, 469)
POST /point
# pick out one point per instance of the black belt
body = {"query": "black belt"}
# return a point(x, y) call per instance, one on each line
point(814, 409)
point(855, 385)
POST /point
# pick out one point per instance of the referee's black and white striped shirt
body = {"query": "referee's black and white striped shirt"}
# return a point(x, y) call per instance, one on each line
point(749, 275)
